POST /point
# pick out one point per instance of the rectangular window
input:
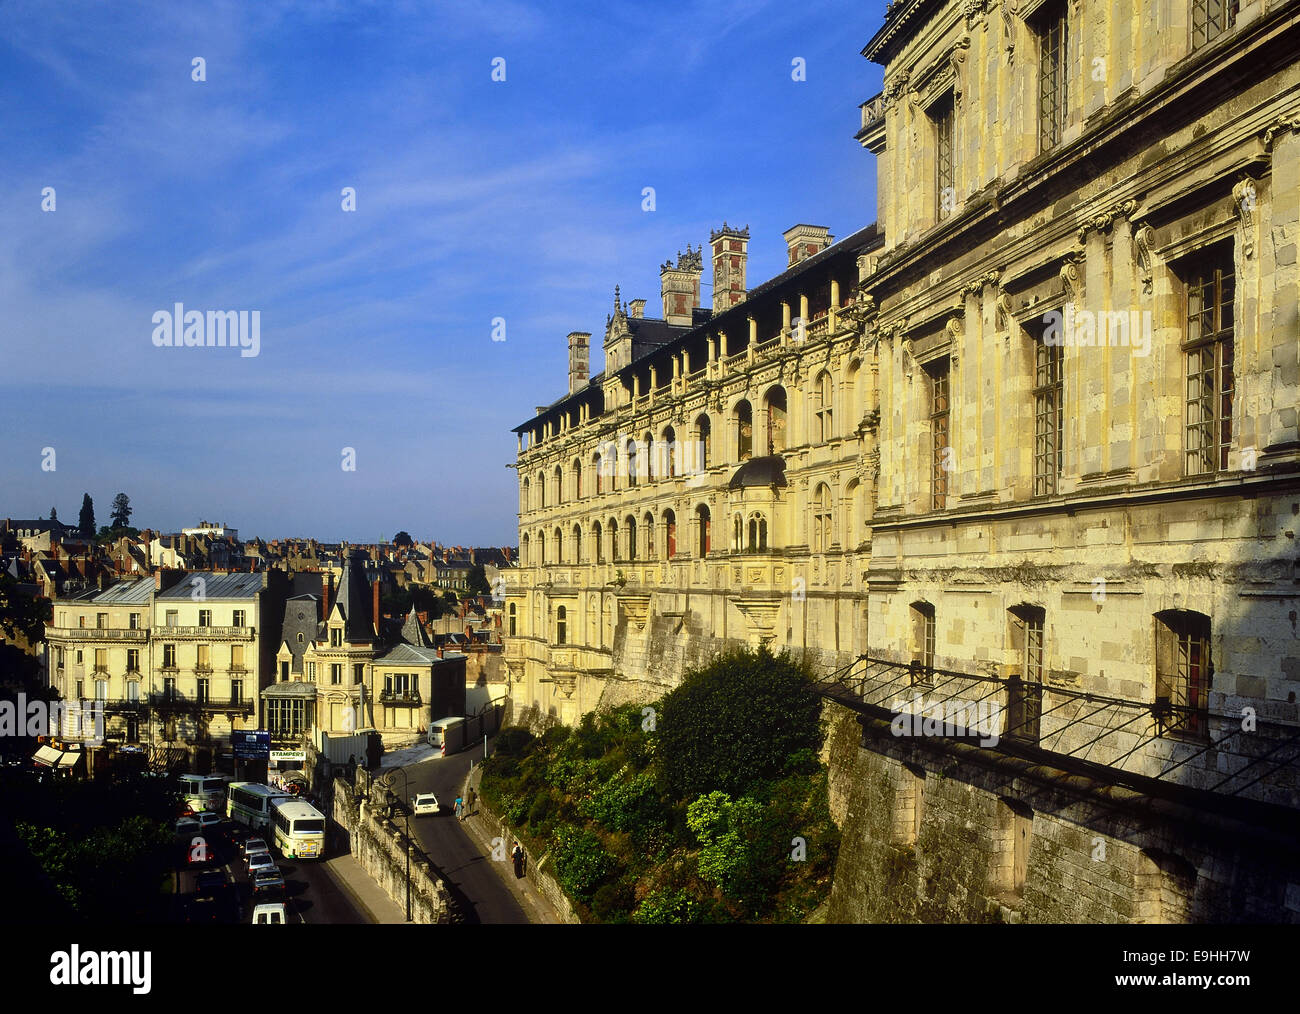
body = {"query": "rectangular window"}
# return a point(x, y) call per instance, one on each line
point(1024, 688)
point(204, 661)
point(169, 688)
point(173, 618)
point(311, 670)
point(101, 621)
point(941, 455)
point(58, 654)
point(1183, 671)
point(101, 690)
point(358, 672)
point(1049, 414)
point(236, 691)
point(1053, 60)
point(101, 660)
point(205, 617)
point(81, 689)
point(336, 672)
point(1211, 18)
point(132, 659)
point(922, 646)
point(169, 656)
point(78, 656)
point(336, 638)
point(203, 691)
point(237, 618)
point(237, 656)
point(134, 621)
point(81, 621)
point(942, 114)
point(133, 691)
point(1209, 350)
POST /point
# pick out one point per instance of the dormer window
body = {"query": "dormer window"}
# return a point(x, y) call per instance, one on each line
point(336, 637)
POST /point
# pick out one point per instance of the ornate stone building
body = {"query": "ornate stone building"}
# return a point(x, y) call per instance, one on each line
point(1027, 447)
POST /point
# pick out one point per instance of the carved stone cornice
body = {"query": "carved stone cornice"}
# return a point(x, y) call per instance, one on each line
point(1106, 219)
point(894, 87)
point(1243, 203)
point(1280, 126)
point(975, 11)
point(977, 285)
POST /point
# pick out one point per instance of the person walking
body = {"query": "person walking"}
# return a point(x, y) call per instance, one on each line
point(460, 806)
point(518, 857)
point(469, 802)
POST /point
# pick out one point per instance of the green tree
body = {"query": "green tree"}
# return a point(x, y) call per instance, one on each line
point(54, 514)
point(121, 513)
point(86, 523)
point(736, 721)
point(477, 583)
point(403, 538)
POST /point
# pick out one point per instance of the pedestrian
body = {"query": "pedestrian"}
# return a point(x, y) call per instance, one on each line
point(460, 805)
point(469, 807)
point(518, 856)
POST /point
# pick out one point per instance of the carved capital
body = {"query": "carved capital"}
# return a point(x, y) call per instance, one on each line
point(1144, 238)
point(955, 60)
point(1072, 279)
point(1279, 126)
point(1004, 310)
point(1243, 203)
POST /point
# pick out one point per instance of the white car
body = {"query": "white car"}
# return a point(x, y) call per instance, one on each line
point(208, 819)
point(424, 803)
point(271, 913)
point(258, 861)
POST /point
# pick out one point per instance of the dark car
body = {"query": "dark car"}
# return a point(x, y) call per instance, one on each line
point(268, 885)
point(210, 882)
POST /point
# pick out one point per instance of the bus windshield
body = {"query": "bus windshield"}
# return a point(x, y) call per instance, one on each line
point(307, 826)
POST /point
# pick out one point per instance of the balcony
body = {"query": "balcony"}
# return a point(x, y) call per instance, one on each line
point(204, 633)
point(137, 636)
point(178, 702)
point(401, 698)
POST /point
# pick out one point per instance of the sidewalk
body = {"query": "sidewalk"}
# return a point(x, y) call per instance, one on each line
point(361, 888)
point(536, 907)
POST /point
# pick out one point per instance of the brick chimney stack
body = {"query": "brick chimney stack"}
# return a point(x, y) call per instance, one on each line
point(327, 593)
point(374, 590)
point(680, 287)
point(730, 255)
point(804, 241)
point(579, 359)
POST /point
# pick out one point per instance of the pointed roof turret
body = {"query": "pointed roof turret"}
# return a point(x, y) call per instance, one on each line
point(354, 600)
point(413, 631)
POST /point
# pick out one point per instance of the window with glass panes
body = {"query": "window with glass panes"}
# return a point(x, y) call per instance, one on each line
point(1211, 18)
point(942, 113)
point(1184, 670)
point(1209, 350)
point(1053, 58)
point(1049, 408)
point(939, 430)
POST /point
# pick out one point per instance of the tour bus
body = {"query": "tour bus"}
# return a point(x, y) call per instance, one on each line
point(203, 792)
point(299, 829)
point(250, 803)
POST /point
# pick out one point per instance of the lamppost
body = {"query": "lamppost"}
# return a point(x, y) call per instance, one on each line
point(407, 819)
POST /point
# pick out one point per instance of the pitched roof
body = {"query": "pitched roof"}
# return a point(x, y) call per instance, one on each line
point(215, 586)
point(354, 599)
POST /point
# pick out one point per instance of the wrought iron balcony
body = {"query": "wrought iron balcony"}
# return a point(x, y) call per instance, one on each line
point(137, 636)
point(408, 698)
point(204, 633)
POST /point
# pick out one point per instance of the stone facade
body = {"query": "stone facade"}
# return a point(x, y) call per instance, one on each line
point(1031, 441)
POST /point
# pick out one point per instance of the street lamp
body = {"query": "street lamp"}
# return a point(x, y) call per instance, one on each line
point(407, 818)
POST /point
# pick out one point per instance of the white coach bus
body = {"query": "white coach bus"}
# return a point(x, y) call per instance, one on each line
point(250, 803)
point(203, 792)
point(299, 829)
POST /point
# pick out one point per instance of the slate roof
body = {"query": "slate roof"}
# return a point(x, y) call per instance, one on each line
point(126, 593)
point(765, 471)
point(354, 599)
point(215, 586)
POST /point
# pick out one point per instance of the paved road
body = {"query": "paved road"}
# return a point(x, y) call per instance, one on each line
point(481, 894)
point(311, 894)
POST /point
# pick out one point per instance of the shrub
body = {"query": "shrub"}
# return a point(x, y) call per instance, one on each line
point(514, 741)
point(735, 721)
point(613, 902)
point(540, 808)
point(663, 906)
point(581, 862)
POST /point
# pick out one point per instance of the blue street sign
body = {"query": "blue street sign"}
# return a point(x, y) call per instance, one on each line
point(251, 745)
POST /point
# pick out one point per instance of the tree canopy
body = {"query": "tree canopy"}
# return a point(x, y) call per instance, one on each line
point(477, 583)
point(737, 721)
point(86, 522)
point(121, 513)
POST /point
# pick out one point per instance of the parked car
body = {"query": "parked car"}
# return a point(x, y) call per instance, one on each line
point(268, 883)
point(259, 861)
point(424, 803)
point(270, 914)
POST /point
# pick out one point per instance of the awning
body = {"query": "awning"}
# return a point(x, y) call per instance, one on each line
point(48, 756)
point(69, 759)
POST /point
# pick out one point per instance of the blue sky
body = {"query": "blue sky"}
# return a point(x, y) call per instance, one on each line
point(475, 199)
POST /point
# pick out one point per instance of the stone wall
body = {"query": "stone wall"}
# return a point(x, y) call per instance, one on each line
point(1089, 854)
point(379, 845)
point(537, 871)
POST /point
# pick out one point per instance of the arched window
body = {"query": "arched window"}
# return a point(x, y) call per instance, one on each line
point(737, 534)
point(852, 394)
point(524, 503)
point(757, 533)
point(541, 489)
point(630, 522)
point(577, 543)
point(1184, 672)
point(743, 422)
point(822, 519)
point(824, 393)
point(614, 549)
point(577, 479)
point(513, 619)
point(776, 420)
point(523, 552)
point(559, 546)
point(597, 471)
point(596, 544)
point(703, 532)
point(653, 470)
point(703, 431)
point(670, 535)
point(561, 625)
point(541, 548)
point(669, 442)
point(591, 628)
point(559, 484)
point(648, 533)
point(631, 463)
point(301, 638)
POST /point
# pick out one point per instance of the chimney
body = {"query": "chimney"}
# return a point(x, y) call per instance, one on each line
point(680, 286)
point(730, 254)
point(579, 359)
point(805, 240)
point(374, 589)
point(637, 308)
point(440, 651)
point(327, 593)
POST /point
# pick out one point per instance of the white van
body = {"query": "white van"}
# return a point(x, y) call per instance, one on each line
point(270, 913)
point(447, 735)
